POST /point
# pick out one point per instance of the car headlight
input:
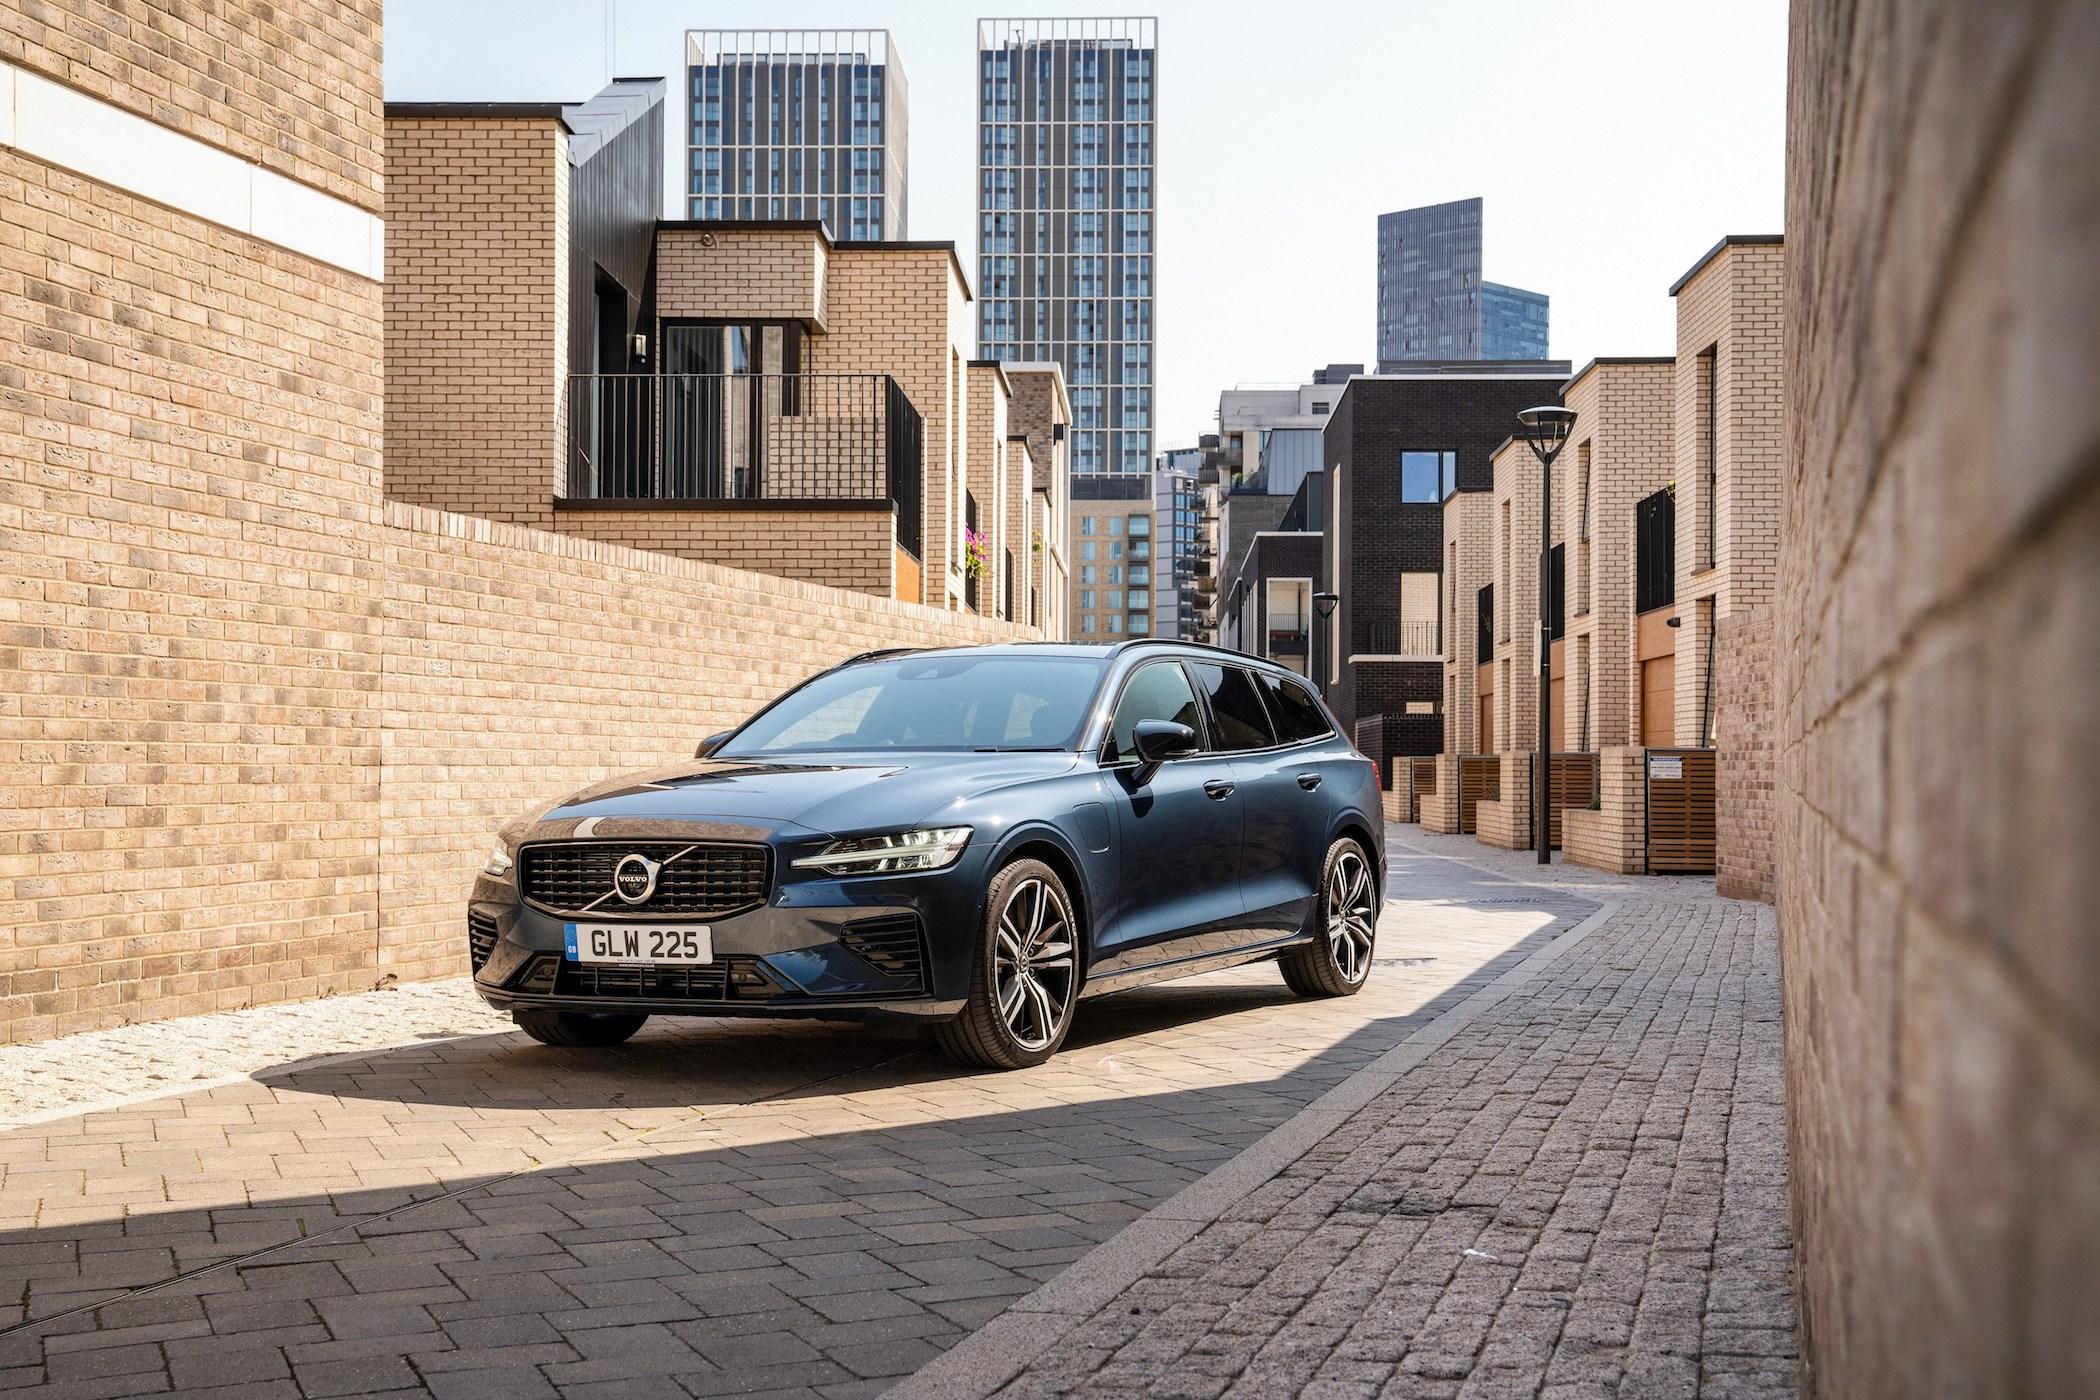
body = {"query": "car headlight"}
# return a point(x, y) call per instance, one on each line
point(499, 862)
point(893, 853)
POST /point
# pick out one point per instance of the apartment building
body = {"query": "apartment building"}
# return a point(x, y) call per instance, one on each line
point(1067, 232)
point(798, 124)
point(1397, 447)
point(750, 393)
point(1433, 303)
point(1112, 556)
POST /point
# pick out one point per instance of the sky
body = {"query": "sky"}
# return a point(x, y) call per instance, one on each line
point(1614, 142)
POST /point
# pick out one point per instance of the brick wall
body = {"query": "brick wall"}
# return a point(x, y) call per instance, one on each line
point(1734, 303)
point(292, 85)
point(1939, 644)
point(1622, 441)
point(1468, 566)
point(1613, 837)
point(743, 274)
point(476, 305)
point(1506, 821)
point(838, 548)
point(1744, 722)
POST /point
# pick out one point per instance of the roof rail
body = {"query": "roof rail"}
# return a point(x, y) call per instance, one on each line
point(1136, 642)
point(878, 652)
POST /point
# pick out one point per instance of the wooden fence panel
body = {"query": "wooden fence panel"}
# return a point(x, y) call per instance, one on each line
point(1680, 811)
point(1479, 779)
point(1574, 785)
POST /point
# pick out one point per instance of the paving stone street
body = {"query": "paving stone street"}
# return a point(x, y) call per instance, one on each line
point(1541, 1154)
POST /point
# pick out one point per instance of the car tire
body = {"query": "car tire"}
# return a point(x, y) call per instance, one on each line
point(584, 1028)
point(1025, 978)
point(1338, 960)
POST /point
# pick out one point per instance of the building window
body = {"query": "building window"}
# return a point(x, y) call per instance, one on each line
point(1427, 477)
point(1655, 552)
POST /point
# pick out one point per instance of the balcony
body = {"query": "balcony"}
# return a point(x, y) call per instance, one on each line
point(712, 439)
point(1389, 636)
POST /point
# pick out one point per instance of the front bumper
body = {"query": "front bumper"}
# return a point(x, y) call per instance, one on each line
point(895, 946)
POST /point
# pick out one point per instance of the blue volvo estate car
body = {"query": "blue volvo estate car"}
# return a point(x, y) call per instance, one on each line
point(979, 838)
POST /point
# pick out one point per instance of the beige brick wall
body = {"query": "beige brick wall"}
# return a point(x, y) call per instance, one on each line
point(189, 471)
point(838, 548)
point(1622, 442)
point(1506, 821)
point(742, 274)
point(1734, 303)
point(1468, 568)
point(1744, 723)
point(1613, 837)
point(1039, 405)
point(1513, 536)
point(986, 478)
point(476, 307)
point(292, 85)
point(1440, 808)
point(1938, 639)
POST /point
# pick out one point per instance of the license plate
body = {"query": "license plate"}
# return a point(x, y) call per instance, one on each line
point(684, 945)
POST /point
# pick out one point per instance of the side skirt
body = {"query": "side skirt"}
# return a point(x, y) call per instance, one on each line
point(1185, 967)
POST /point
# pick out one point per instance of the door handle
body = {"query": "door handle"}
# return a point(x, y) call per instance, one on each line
point(1308, 781)
point(1218, 789)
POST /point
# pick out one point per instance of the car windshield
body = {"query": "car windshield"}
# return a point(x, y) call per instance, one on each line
point(946, 702)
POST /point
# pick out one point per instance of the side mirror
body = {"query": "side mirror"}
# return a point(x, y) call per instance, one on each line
point(1158, 740)
point(711, 743)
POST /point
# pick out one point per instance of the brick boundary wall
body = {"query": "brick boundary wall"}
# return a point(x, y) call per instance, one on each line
point(1612, 837)
point(1938, 646)
point(1744, 716)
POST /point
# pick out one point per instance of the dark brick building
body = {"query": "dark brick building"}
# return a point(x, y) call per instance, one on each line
point(1269, 575)
point(1395, 447)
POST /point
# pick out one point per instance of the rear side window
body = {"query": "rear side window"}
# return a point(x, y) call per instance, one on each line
point(1158, 691)
point(1238, 720)
point(1298, 714)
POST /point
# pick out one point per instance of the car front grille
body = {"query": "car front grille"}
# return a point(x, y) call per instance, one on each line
point(706, 880)
point(481, 938)
point(890, 944)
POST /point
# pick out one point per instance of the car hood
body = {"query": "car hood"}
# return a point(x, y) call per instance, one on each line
point(747, 799)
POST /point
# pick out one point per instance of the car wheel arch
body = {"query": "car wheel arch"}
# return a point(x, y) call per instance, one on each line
point(1039, 843)
point(1352, 826)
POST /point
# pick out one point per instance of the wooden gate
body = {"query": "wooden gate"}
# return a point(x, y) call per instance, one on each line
point(1574, 785)
point(1479, 779)
point(1680, 784)
point(1423, 771)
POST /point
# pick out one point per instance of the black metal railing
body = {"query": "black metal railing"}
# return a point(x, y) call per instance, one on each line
point(1387, 635)
point(744, 437)
point(1484, 629)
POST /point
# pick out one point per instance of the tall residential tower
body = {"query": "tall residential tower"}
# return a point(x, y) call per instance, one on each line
point(1065, 229)
point(1432, 301)
point(797, 124)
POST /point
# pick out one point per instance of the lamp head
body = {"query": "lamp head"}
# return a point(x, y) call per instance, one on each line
point(1546, 428)
point(1327, 603)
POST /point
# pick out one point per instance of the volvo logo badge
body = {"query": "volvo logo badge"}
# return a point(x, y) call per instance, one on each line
point(634, 878)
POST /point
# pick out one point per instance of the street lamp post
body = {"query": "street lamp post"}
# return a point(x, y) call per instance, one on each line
point(1546, 432)
point(1324, 604)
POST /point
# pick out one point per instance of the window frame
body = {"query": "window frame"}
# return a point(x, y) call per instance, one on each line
point(1108, 714)
point(1260, 700)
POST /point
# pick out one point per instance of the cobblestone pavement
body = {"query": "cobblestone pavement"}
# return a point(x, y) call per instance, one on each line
point(718, 1207)
point(1580, 1193)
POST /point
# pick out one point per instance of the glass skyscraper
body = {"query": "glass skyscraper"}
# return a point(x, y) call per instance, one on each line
point(797, 124)
point(1432, 301)
point(1065, 224)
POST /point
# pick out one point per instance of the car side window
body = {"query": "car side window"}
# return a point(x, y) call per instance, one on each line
point(1157, 691)
point(1298, 715)
point(1238, 720)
